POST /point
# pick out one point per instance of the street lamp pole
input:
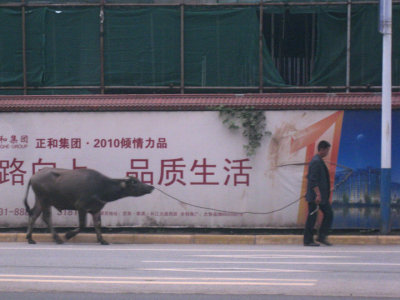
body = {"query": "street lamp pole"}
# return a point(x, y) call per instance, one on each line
point(385, 27)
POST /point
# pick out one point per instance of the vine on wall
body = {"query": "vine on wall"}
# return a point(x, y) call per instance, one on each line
point(252, 123)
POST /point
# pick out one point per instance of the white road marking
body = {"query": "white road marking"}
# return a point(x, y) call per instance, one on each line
point(269, 256)
point(273, 262)
point(154, 280)
point(151, 277)
point(156, 283)
point(228, 270)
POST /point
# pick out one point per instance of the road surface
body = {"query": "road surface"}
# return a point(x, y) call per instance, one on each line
point(241, 270)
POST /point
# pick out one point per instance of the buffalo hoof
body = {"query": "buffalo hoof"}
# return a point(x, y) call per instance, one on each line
point(30, 241)
point(69, 235)
point(103, 242)
point(58, 240)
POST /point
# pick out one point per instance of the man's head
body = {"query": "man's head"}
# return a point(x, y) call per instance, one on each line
point(323, 148)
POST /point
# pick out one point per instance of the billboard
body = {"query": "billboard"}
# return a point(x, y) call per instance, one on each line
point(201, 164)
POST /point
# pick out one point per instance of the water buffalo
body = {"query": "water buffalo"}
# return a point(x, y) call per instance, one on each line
point(84, 190)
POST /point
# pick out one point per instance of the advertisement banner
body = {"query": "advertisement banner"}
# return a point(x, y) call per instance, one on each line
point(199, 164)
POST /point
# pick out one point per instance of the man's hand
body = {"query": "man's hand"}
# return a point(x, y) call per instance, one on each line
point(317, 195)
point(318, 198)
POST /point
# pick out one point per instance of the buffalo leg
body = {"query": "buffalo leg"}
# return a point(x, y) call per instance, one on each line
point(33, 215)
point(97, 227)
point(47, 219)
point(82, 225)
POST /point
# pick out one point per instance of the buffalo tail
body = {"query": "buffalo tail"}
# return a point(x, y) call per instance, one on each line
point(28, 209)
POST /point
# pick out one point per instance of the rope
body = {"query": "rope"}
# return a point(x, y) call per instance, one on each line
point(350, 171)
point(227, 211)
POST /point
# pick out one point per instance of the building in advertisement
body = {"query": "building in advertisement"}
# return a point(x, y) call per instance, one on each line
point(361, 187)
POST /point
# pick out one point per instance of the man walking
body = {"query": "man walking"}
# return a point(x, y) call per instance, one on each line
point(318, 193)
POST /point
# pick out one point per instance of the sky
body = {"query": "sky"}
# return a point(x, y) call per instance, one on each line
point(360, 142)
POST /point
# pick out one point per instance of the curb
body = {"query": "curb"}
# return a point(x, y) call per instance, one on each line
point(214, 239)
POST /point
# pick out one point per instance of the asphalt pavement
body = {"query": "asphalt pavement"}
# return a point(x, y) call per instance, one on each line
point(198, 271)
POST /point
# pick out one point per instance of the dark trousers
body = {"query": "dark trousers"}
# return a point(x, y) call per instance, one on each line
point(326, 224)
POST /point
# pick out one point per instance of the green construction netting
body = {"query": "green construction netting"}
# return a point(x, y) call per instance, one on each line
point(365, 51)
point(63, 46)
point(10, 47)
point(142, 46)
point(330, 58)
point(222, 48)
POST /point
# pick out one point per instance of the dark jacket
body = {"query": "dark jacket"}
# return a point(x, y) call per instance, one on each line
point(318, 175)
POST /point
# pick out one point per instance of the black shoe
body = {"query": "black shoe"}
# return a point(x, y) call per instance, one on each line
point(324, 241)
point(312, 244)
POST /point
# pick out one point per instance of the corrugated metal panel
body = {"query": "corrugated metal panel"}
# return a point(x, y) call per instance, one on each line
point(189, 102)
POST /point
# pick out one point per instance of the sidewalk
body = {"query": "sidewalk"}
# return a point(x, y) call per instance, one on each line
point(250, 239)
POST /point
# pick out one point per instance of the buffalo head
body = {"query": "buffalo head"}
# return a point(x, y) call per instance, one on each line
point(134, 187)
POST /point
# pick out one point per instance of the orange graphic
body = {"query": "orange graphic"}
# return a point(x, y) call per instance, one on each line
point(309, 137)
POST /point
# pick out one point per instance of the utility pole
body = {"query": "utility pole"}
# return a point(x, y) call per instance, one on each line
point(385, 27)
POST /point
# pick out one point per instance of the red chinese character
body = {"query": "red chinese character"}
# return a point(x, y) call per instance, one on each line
point(126, 143)
point(17, 174)
point(52, 143)
point(4, 165)
point(203, 172)
point(41, 165)
point(150, 143)
point(13, 139)
point(137, 143)
point(74, 166)
point(162, 143)
point(170, 169)
point(64, 143)
point(141, 164)
point(76, 143)
point(24, 139)
point(40, 144)
point(239, 177)
point(12, 169)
